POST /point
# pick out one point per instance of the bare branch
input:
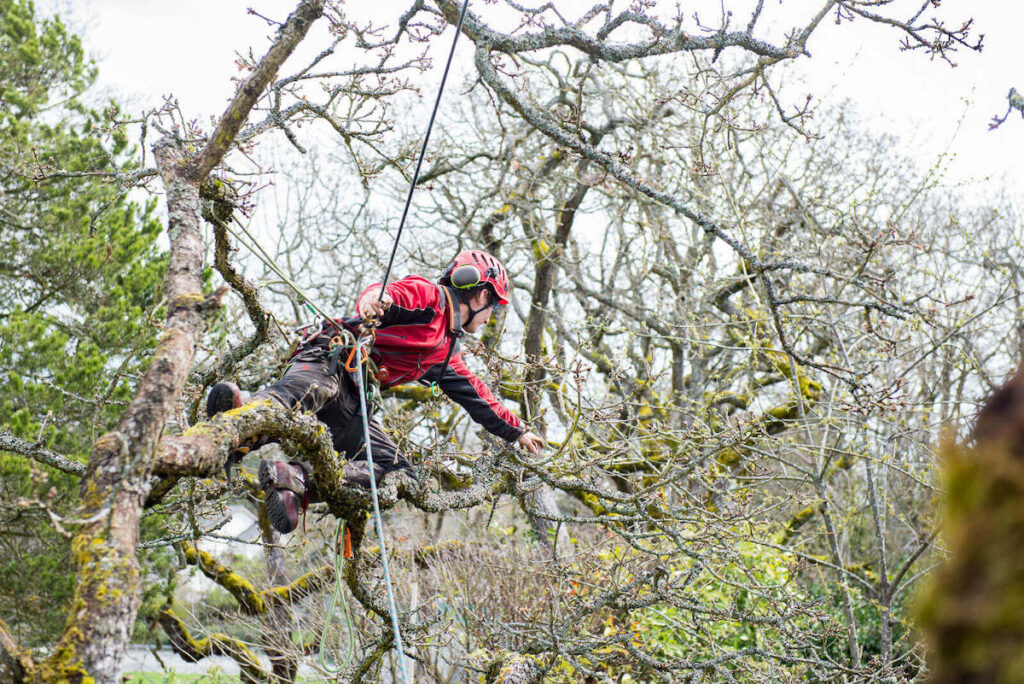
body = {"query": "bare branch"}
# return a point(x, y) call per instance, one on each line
point(33, 450)
point(251, 90)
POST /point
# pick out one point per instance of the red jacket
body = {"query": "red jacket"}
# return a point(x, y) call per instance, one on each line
point(418, 333)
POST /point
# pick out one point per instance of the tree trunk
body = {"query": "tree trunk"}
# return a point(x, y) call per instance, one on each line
point(118, 477)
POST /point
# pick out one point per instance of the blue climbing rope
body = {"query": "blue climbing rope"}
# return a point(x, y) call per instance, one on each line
point(257, 250)
point(359, 373)
point(376, 510)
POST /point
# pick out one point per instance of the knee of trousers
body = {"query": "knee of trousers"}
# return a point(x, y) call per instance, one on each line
point(306, 384)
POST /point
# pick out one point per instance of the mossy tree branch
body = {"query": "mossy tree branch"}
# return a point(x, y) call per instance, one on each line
point(202, 450)
point(251, 601)
point(37, 452)
point(217, 644)
point(119, 476)
point(243, 591)
point(220, 210)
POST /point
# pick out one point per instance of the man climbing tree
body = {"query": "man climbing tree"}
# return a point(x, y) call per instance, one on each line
point(713, 314)
point(418, 327)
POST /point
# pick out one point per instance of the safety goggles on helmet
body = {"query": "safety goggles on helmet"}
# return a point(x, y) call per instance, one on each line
point(467, 277)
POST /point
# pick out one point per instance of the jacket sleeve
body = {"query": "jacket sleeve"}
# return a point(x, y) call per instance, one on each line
point(415, 301)
point(470, 392)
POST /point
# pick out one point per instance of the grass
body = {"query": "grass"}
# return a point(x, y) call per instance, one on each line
point(212, 677)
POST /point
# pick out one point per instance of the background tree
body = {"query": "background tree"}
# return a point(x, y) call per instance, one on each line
point(80, 272)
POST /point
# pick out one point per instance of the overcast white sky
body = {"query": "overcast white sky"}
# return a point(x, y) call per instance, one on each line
point(150, 48)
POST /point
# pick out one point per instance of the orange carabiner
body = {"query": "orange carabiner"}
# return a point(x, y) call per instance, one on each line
point(335, 341)
point(348, 362)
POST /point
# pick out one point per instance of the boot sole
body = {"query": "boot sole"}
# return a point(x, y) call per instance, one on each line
point(273, 501)
point(223, 397)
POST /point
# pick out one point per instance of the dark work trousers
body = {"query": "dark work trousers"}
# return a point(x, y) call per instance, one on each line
point(334, 399)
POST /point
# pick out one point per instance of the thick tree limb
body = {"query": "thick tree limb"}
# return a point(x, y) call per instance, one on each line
point(251, 601)
point(203, 449)
point(194, 650)
point(231, 122)
point(240, 588)
point(665, 40)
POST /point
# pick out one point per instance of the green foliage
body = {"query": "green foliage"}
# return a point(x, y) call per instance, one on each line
point(40, 62)
point(34, 577)
point(728, 608)
point(746, 584)
point(834, 643)
point(81, 272)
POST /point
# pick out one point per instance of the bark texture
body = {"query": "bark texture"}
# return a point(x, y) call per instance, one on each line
point(118, 478)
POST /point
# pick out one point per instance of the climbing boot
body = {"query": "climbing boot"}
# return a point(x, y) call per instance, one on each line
point(288, 489)
point(225, 396)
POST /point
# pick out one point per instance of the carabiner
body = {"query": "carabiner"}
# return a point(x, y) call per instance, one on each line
point(351, 356)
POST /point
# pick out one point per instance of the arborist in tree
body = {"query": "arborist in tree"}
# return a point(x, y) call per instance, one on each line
point(419, 327)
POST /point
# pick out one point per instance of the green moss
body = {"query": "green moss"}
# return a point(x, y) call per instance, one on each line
point(417, 393)
point(787, 411)
point(729, 457)
point(592, 502)
point(240, 588)
point(510, 388)
point(452, 481)
point(216, 427)
point(61, 673)
point(187, 300)
point(795, 523)
point(64, 665)
point(810, 389)
point(973, 608)
point(725, 396)
point(300, 587)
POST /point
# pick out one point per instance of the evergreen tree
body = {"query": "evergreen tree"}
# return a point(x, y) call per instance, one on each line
point(80, 272)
